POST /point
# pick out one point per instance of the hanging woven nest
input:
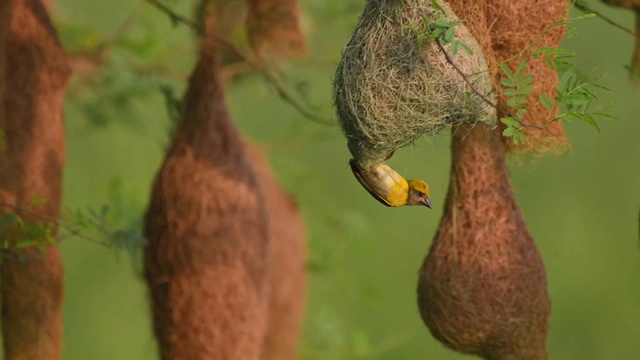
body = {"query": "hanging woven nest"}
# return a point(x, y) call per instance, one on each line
point(394, 85)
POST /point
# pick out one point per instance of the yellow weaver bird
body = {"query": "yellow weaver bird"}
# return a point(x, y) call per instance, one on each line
point(389, 187)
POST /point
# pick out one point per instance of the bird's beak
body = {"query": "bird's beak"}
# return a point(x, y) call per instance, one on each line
point(426, 202)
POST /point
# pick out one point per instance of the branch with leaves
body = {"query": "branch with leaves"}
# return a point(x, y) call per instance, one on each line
point(575, 92)
point(586, 9)
point(25, 228)
point(267, 74)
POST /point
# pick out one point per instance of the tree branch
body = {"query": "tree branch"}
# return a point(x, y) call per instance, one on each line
point(269, 76)
point(612, 22)
point(482, 96)
point(71, 230)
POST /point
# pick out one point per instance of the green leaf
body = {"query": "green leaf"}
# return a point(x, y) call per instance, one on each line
point(518, 138)
point(516, 101)
point(509, 92)
point(521, 69)
point(590, 120)
point(527, 79)
point(574, 99)
point(546, 102)
point(605, 116)
point(425, 21)
point(506, 70)
point(455, 47)
point(449, 34)
point(26, 243)
point(466, 48)
point(507, 82)
point(442, 23)
point(524, 89)
point(437, 6)
point(509, 121)
point(36, 201)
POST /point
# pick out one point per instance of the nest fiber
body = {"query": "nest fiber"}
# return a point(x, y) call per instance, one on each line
point(514, 24)
point(482, 288)
point(393, 85)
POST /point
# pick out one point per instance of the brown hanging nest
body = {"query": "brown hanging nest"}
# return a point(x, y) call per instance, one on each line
point(482, 288)
point(287, 257)
point(273, 28)
point(393, 85)
point(35, 72)
point(206, 263)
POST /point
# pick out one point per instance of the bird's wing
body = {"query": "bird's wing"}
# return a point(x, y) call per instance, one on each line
point(357, 173)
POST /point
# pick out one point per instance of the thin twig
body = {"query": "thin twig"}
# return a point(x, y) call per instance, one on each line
point(607, 19)
point(482, 96)
point(72, 231)
point(280, 89)
point(464, 76)
point(175, 17)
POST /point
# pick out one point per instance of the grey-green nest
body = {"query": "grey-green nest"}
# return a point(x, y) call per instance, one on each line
point(393, 85)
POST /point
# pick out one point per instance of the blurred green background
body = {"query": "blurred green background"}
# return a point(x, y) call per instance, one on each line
point(582, 208)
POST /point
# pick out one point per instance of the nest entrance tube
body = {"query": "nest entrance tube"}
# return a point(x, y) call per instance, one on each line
point(394, 85)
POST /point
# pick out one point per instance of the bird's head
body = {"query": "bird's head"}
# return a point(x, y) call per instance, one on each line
point(418, 193)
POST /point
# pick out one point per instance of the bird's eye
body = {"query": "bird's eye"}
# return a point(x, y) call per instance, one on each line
point(420, 193)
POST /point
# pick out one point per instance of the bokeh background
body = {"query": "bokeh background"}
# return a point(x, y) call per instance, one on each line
point(582, 208)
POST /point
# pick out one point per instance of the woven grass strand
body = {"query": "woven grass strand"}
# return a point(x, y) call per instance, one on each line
point(393, 86)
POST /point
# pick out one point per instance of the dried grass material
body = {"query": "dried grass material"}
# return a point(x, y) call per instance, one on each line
point(34, 73)
point(274, 28)
point(503, 28)
point(482, 288)
point(287, 260)
point(389, 90)
point(206, 261)
point(513, 24)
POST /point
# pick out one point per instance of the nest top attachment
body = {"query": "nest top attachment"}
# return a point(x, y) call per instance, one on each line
point(394, 85)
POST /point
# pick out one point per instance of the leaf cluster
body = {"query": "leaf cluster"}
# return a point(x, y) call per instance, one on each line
point(574, 96)
point(517, 86)
point(100, 223)
point(116, 225)
point(441, 30)
point(20, 233)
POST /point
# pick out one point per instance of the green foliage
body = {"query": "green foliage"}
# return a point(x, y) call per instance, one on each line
point(574, 95)
point(23, 230)
point(517, 85)
point(173, 105)
point(20, 233)
point(101, 225)
point(441, 30)
point(127, 66)
point(116, 225)
point(120, 91)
